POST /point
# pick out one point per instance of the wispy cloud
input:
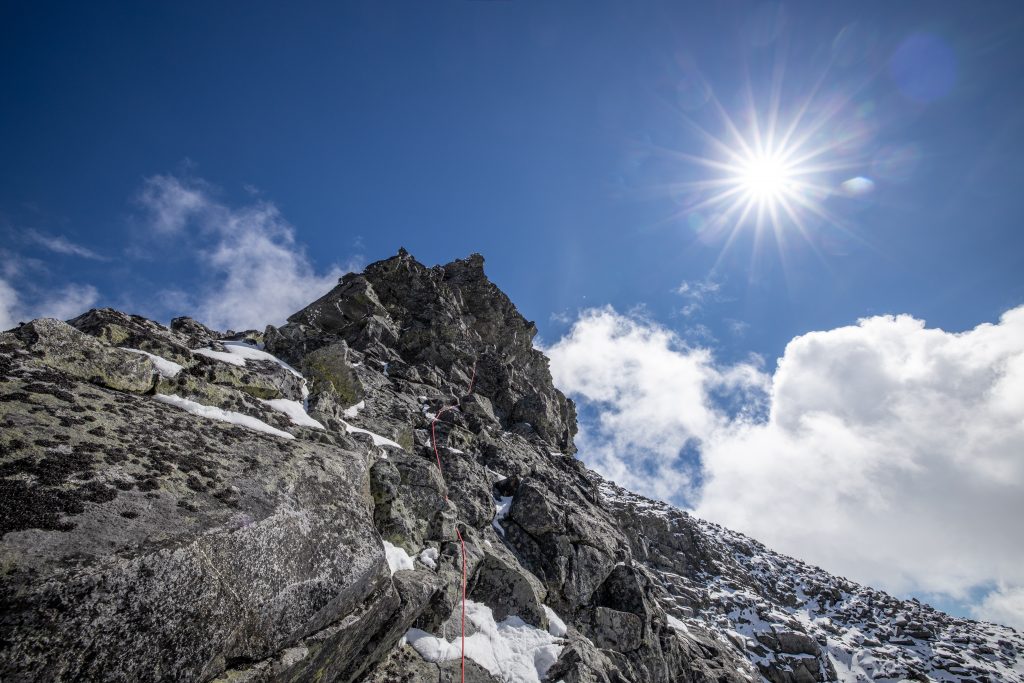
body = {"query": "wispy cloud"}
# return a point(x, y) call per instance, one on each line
point(66, 302)
point(697, 293)
point(873, 449)
point(256, 271)
point(171, 203)
point(8, 306)
point(738, 328)
point(63, 303)
point(560, 317)
point(25, 293)
point(62, 245)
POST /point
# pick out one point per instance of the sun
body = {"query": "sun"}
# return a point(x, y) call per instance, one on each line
point(768, 170)
point(766, 178)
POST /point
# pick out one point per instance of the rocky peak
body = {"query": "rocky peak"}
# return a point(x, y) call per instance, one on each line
point(446, 327)
point(184, 504)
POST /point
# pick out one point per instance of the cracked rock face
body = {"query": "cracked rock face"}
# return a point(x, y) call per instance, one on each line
point(184, 504)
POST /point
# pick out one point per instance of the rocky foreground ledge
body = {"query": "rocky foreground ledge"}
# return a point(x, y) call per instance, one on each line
point(189, 505)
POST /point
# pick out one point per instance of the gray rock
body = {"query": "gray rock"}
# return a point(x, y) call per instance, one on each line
point(194, 543)
point(508, 589)
point(60, 347)
point(796, 643)
point(329, 371)
point(140, 542)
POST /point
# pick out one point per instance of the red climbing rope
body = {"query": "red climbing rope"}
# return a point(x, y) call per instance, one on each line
point(462, 543)
point(433, 440)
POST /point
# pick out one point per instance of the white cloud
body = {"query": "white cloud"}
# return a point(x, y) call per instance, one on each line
point(697, 289)
point(652, 393)
point(887, 452)
point(738, 328)
point(62, 304)
point(897, 446)
point(257, 272)
point(696, 293)
point(1002, 606)
point(172, 203)
point(62, 245)
point(8, 306)
point(65, 303)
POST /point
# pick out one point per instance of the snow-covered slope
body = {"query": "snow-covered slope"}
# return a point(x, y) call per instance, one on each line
point(796, 622)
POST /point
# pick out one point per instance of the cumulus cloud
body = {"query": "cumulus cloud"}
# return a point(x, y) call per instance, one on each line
point(651, 395)
point(257, 273)
point(1002, 606)
point(883, 451)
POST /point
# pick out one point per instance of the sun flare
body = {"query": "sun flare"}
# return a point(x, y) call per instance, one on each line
point(765, 177)
point(769, 170)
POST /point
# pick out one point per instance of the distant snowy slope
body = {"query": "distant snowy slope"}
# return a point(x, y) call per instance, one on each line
point(796, 622)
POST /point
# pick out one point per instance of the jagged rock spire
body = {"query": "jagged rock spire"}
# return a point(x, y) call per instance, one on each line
point(444, 319)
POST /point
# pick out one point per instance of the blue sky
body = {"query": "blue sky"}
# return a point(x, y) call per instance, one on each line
point(157, 156)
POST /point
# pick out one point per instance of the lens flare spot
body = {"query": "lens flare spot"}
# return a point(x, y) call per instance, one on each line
point(857, 187)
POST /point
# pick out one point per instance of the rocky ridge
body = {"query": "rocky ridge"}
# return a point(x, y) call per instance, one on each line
point(180, 503)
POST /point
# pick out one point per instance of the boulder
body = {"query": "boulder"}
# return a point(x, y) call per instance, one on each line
point(502, 584)
point(200, 543)
point(61, 347)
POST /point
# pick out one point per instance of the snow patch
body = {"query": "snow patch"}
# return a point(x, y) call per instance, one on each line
point(353, 411)
point(250, 352)
point(429, 557)
point(398, 559)
point(677, 624)
point(501, 508)
point(556, 626)
point(166, 368)
point(222, 356)
point(511, 649)
point(378, 440)
point(214, 413)
point(295, 411)
point(239, 352)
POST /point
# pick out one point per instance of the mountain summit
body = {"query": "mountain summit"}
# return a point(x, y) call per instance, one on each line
point(308, 502)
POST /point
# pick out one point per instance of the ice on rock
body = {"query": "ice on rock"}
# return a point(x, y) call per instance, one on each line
point(556, 626)
point(378, 440)
point(501, 508)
